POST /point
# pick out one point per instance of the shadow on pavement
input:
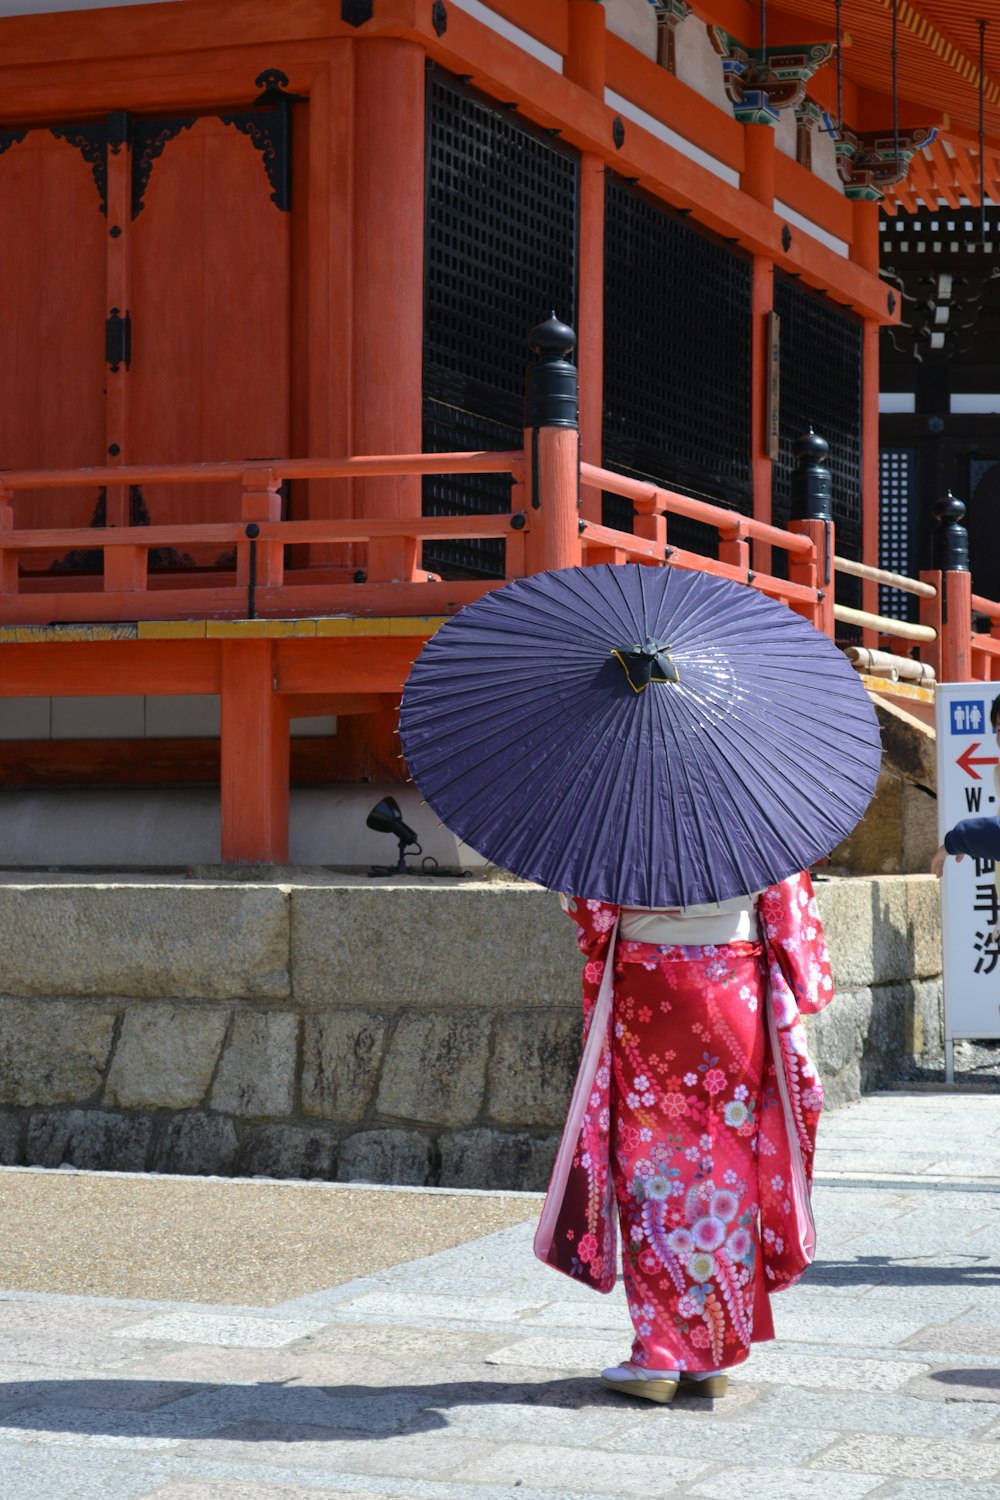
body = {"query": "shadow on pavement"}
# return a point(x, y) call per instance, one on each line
point(883, 1270)
point(270, 1411)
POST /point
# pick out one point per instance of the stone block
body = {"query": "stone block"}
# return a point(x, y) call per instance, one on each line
point(11, 1130)
point(531, 1072)
point(52, 1051)
point(197, 1144)
point(923, 916)
point(341, 1056)
point(892, 947)
point(256, 1073)
point(288, 1151)
point(165, 1056)
point(835, 1044)
point(876, 845)
point(497, 1160)
point(93, 1139)
point(515, 934)
point(920, 831)
point(929, 1021)
point(846, 909)
point(888, 1044)
point(908, 744)
point(400, 1156)
point(435, 1068)
point(148, 941)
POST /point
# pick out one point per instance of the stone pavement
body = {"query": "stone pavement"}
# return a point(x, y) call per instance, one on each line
point(468, 1373)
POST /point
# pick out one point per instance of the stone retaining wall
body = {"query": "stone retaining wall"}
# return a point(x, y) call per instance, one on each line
point(411, 1032)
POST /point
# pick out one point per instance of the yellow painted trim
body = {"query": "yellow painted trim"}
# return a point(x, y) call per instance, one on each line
point(28, 633)
point(889, 689)
point(425, 625)
point(172, 630)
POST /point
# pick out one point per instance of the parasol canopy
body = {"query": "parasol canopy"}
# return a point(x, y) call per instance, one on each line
point(647, 736)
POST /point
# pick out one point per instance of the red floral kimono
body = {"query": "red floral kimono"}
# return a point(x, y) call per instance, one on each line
point(695, 1108)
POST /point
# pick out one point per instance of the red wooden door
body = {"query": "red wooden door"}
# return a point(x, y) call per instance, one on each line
point(52, 310)
point(145, 312)
point(210, 300)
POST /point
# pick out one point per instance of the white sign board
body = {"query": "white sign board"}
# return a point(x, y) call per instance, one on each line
point(966, 758)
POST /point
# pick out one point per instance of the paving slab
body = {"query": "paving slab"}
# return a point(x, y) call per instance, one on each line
point(252, 1340)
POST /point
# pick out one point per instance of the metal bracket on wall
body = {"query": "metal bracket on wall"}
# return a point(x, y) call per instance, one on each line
point(118, 339)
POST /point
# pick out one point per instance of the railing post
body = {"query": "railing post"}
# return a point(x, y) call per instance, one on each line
point(812, 516)
point(8, 560)
point(734, 549)
point(552, 451)
point(950, 551)
point(261, 502)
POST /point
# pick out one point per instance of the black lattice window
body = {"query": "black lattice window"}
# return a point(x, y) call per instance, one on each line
point(821, 347)
point(501, 255)
point(897, 528)
point(677, 360)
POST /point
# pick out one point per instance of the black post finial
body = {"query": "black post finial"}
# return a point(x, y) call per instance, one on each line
point(812, 497)
point(951, 538)
point(550, 387)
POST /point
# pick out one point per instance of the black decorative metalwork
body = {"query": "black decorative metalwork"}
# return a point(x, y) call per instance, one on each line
point(950, 542)
point(439, 17)
point(149, 137)
point(118, 340)
point(10, 138)
point(551, 388)
point(786, 238)
point(91, 142)
point(821, 348)
point(85, 560)
point(501, 252)
point(117, 131)
point(268, 128)
point(677, 360)
point(618, 132)
point(356, 12)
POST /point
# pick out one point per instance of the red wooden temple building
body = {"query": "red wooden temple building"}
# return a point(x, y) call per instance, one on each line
point(269, 273)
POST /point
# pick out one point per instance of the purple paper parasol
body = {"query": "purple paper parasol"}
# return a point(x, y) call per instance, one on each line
point(647, 736)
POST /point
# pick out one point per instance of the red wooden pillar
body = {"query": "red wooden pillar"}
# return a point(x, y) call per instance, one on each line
point(954, 585)
point(387, 351)
point(757, 181)
point(255, 755)
point(552, 451)
point(585, 65)
point(865, 253)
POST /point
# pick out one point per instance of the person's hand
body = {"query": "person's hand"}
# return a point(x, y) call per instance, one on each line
point(938, 858)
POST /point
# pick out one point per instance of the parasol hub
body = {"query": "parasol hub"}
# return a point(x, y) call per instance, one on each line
point(650, 662)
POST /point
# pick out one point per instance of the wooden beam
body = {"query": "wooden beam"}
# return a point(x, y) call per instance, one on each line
point(108, 668)
point(355, 664)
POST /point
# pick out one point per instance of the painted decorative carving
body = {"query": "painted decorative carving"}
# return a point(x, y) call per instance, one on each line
point(761, 82)
point(870, 162)
point(670, 12)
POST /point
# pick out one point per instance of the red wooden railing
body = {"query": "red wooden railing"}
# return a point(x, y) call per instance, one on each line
point(544, 529)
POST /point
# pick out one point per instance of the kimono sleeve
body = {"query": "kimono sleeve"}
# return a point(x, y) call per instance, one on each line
point(594, 922)
point(795, 935)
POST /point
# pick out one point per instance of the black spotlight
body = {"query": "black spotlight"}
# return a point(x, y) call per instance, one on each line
point(386, 817)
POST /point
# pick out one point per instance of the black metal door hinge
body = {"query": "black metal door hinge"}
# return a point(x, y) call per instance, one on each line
point(118, 340)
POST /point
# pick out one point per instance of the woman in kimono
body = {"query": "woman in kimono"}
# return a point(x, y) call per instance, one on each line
point(695, 1115)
